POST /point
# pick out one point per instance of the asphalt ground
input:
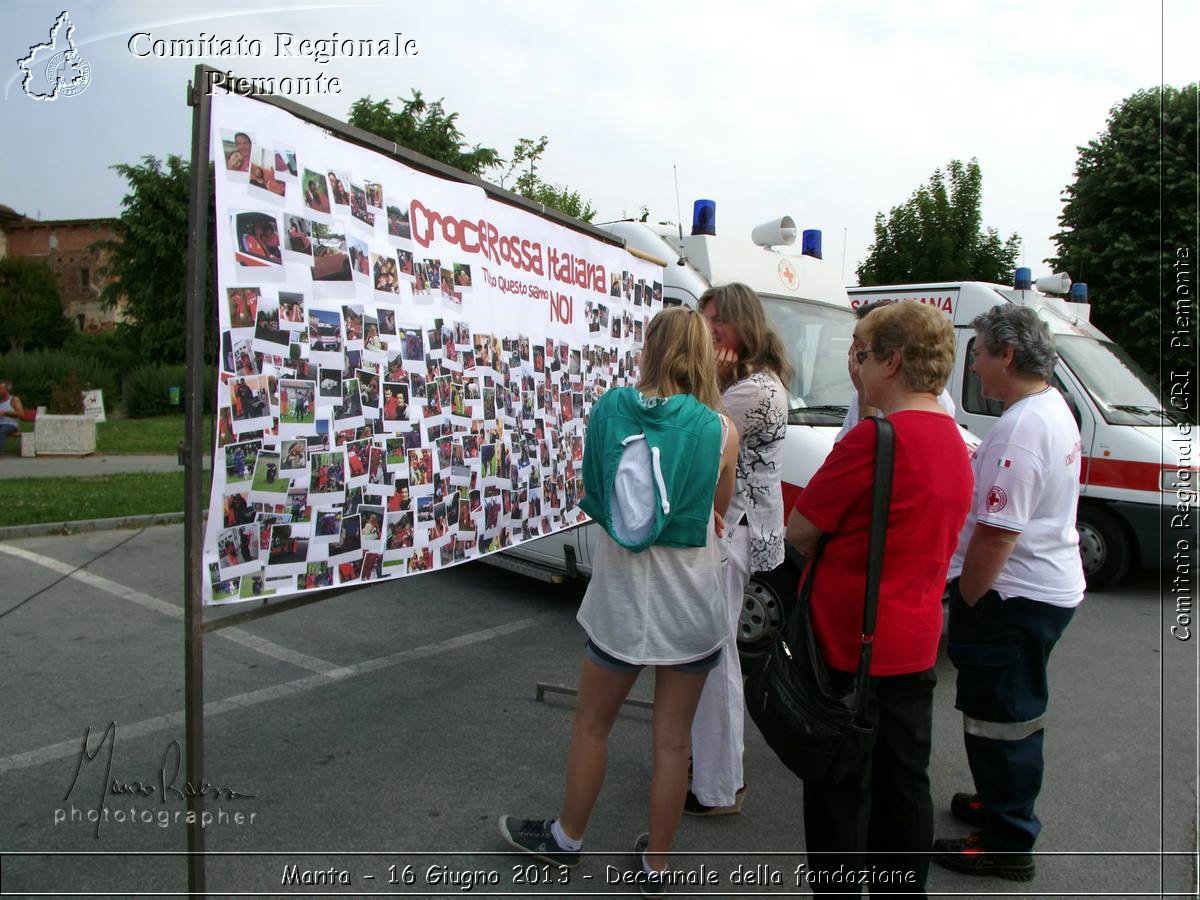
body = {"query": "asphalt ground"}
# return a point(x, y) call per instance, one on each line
point(391, 727)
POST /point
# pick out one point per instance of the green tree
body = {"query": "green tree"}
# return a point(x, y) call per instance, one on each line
point(426, 128)
point(31, 315)
point(147, 261)
point(1131, 207)
point(938, 235)
point(526, 155)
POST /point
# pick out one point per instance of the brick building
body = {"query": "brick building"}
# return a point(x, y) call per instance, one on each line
point(65, 244)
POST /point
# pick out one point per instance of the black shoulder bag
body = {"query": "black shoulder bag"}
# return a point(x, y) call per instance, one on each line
point(820, 733)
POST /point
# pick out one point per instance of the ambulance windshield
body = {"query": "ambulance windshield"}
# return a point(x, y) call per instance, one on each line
point(817, 340)
point(1124, 394)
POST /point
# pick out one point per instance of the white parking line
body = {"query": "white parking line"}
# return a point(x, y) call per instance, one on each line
point(237, 635)
point(65, 749)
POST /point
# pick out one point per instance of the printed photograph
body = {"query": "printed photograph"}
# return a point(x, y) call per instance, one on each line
point(339, 188)
point(331, 258)
point(239, 460)
point(297, 402)
point(286, 548)
point(316, 191)
point(291, 311)
point(243, 305)
point(299, 236)
point(397, 223)
point(237, 147)
point(327, 474)
point(358, 206)
point(268, 336)
point(385, 274)
point(324, 330)
point(360, 257)
point(285, 161)
point(249, 398)
point(262, 173)
point(256, 236)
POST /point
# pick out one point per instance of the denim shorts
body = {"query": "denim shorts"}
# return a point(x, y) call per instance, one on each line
point(610, 662)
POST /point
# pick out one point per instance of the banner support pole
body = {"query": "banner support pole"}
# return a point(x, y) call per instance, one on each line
point(193, 500)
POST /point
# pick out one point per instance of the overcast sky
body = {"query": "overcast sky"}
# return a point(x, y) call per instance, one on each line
point(828, 112)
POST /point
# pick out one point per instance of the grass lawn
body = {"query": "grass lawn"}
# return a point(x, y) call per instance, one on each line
point(158, 434)
point(62, 499)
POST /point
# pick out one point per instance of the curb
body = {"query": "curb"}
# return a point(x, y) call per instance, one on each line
point(13, 532)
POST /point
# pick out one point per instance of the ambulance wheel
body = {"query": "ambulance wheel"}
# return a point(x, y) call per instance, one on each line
point(1104, 546)
point(764, 600)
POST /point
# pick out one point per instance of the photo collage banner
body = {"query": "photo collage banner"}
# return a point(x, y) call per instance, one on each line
point(406, 365)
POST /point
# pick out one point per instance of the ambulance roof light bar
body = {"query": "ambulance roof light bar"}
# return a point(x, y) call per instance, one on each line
point(704, 218)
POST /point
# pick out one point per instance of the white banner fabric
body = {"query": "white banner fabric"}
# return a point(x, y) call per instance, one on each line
point(406, 365)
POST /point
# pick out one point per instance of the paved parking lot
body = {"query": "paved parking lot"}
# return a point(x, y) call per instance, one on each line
point(389, 728)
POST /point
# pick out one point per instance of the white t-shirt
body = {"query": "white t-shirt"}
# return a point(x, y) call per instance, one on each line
point(1027, 480)
point(945, 401)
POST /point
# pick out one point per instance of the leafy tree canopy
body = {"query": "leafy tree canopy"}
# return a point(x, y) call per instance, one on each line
point(1111, 219)
point(427, 128)
point(147, 260)
point(31, 315)
point(938, 235)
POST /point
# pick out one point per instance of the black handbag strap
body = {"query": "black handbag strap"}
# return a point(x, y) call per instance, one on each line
point(881, 501)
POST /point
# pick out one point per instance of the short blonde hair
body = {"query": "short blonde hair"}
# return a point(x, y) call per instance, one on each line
point(678, 357)
point(921, 334)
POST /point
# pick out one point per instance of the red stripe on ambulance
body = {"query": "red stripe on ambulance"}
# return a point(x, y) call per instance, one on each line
point(1126, 474)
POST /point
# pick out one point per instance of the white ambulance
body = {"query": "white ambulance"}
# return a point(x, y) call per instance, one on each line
point(1129, 464)
point(808, 306)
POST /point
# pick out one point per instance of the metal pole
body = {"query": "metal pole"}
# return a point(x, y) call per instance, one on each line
point(193, 498)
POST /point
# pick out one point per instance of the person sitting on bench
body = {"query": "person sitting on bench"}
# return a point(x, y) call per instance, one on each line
point(11, 411)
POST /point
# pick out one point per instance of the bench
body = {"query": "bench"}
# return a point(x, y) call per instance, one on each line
point(26, 437)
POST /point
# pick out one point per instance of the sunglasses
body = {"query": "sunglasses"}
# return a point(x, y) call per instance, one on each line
point(861, 355)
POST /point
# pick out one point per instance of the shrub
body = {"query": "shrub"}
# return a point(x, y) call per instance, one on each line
point(66, 399)
point(34, 375)
point(147, 390)
point(110, 348)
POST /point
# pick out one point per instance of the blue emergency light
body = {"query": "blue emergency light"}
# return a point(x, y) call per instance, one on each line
point(1079, 292)
point(704, 217)
point(810, 243)
point(1023, 280)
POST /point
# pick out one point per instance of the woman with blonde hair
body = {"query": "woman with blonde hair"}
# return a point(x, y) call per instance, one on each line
point(658, 470)
point(752, 371)
point(882, 814)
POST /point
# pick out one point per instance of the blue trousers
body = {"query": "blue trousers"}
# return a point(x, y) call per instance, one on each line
point(1001, 648)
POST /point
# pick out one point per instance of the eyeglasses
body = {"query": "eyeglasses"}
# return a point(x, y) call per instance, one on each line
point(861, 355)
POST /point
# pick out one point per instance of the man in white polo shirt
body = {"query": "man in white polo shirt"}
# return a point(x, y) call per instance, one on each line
point(1016, 579)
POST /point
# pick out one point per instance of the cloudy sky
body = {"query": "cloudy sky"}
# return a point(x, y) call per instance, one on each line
point(828, 112)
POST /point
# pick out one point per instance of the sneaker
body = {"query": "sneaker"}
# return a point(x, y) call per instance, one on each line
point(533, 836)
point(650, 883)
point(968, 856)
point(693, 807)
point(968, 808)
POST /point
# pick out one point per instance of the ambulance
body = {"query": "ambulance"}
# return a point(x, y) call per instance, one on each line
point(809, 307)
point(1132, 458)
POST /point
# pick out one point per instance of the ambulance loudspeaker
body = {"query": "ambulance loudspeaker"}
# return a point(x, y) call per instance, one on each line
point(777, 232)
point(1059, 283)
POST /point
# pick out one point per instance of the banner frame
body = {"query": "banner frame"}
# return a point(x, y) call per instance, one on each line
point(205, 80)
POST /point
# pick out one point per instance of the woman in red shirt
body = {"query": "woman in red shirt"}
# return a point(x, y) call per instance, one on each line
point(886, 808)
